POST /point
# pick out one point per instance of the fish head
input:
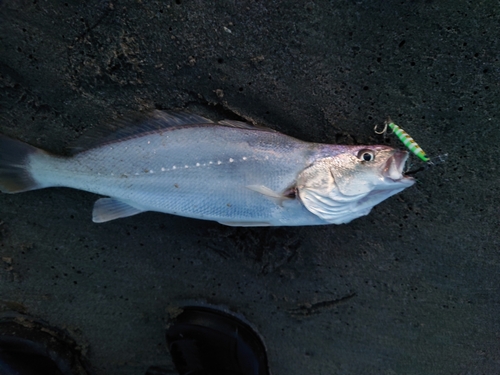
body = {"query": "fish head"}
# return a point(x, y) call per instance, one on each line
point(350, 182)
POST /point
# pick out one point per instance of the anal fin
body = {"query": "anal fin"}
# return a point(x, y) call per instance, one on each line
point(107, 209)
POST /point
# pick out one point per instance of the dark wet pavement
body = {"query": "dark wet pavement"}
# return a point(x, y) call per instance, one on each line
point(413, 288)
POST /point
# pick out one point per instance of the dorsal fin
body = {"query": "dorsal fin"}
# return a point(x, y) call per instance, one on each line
point(244, 125)
point(136, 125)
point(132, 126)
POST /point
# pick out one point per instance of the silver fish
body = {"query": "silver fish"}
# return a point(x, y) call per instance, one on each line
point(228, 171)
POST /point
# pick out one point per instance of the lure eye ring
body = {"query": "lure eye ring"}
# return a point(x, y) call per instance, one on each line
point(366, 155)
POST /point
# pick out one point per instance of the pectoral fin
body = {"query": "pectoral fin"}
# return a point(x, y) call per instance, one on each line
point(280, 197)
point(107, 209)
point(264, 190)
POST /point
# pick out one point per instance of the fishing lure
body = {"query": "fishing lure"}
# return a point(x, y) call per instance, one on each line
point(404, 137)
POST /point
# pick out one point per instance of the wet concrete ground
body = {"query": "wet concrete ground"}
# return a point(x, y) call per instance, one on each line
point(413, 288)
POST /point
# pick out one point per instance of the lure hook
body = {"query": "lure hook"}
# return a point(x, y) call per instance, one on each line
point(384, 130)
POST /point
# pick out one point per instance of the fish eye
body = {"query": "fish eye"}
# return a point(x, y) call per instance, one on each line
point(366, 155)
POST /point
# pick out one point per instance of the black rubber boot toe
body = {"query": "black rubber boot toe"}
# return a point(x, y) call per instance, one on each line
point(32, 347)
point(205, 341)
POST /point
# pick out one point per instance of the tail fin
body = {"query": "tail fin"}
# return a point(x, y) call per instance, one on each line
point(15, 176)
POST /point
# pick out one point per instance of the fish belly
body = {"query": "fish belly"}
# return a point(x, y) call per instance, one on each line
point(199, 172)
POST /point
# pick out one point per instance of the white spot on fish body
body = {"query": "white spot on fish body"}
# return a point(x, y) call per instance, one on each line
point(210, 162)
point(174, 167)
point(197, 164)
point(149, 142)
point(219, 162)
point(163, 169)
point(151, 171)
point(186, 166)
point(231, 160)
point(244, 158)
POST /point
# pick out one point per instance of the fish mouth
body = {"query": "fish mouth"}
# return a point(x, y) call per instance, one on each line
point(393, 168)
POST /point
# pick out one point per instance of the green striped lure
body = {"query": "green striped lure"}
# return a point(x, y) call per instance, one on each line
point(404, 137)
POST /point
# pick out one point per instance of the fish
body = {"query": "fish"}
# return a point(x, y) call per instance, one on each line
point(231, 172)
